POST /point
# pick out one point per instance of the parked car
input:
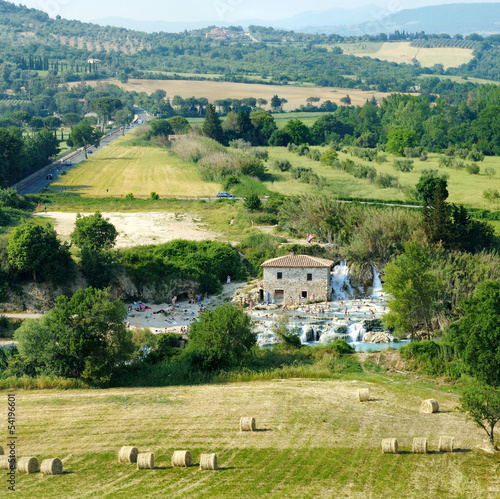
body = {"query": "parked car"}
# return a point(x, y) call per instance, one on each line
point(68, 162)
point(225, 195)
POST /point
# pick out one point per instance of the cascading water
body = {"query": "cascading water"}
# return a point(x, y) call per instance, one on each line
point(340, 282)
point(377, 282)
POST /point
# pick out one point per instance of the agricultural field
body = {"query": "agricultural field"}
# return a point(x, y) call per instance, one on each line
point(403, 52)
point(121, 168)
point(215, 90)
point(314, 439)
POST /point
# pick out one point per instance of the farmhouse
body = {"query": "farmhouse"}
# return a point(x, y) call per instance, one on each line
point(297, 278)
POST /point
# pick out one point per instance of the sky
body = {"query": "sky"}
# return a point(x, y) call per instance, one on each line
point(211, 10)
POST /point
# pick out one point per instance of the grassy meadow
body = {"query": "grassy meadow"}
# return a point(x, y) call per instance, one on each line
point(122, 168)
point(314, 440)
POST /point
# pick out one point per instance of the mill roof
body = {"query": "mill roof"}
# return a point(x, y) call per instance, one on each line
point(298, 261)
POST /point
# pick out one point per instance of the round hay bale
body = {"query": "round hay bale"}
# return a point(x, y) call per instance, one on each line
point(364, 395)
point(208, 462)
point(5, 463)
point(389, 446)
point(146, 461)
point(128, 454)
point(28, 465)
point(419, 446)
point(446, 444)
point(181, 459)
point(52, 466)
point(247, 424)
point(429, 406)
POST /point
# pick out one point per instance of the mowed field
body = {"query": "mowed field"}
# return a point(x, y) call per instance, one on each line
point(121, 168)
point(403, 52)
point(215, 90)
point(314, 440)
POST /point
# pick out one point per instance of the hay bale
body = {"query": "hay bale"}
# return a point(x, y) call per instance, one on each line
point(208, 462)
point(128, 454)
point(389, 446)
point(28, 465)
point(146, 461)
point(446, 444)
point(247, 424)
point(429, 406)
point(419, 446)
point(364, 395)
point(181, 459)
point(52, 466)
point(4, 463)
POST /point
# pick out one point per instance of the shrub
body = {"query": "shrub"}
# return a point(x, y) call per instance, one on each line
point(282, 164)
point(129, 197)
point(385, 181)
point(490, 172)
point(230, 181)
point(491, 195)
point(412, 152)
point(341, 347)
point(472, 168)
point(154, 196)
point(475, 154)
point(329, 157)
point(403, 165)
point(314, 154)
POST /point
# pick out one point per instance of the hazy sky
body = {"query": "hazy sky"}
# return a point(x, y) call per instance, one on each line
point(210, 10)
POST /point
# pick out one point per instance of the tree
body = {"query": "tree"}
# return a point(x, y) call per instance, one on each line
point(221, 338)
point(427, 186)
point(482, 405)
point(123, 117)
point(253, 203)
point(34, 249)
point(84, 135)
point(279, 138)
point(329, 157)
point(476, 335)
point(105, 107)
point(212, 126)
point(276, 103)
point(414, 290)
point(161, 128)
point(94, 232)
point(11, 157)
point(71, 119)
point(398, 139)
point(299, 133)
point(180, 125)
point(82, 337)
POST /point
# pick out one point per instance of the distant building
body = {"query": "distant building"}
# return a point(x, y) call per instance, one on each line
point(93, 61)
point(296, 278)
point(218, 34)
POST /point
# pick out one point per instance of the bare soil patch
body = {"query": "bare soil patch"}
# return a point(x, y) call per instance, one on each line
point(138, 229)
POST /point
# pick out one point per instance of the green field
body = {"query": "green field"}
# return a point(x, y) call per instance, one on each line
point(122, 168)
point(315, 440)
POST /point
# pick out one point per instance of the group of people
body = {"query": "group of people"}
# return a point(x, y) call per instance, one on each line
point(311, 238)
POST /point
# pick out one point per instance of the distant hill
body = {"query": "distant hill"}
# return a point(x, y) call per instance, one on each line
point(456, 18)
point(335, 16)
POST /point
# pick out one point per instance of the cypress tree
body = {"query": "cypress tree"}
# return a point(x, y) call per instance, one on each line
point(212, 126)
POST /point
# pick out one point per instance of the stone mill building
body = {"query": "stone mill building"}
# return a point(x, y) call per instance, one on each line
point(296, 278)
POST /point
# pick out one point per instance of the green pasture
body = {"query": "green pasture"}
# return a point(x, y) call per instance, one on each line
point(314, 439)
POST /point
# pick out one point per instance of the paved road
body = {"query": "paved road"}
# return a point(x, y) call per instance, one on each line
point(38, 183)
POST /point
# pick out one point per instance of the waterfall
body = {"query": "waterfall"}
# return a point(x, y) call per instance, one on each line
point(356, 331)
point(340, 281)
point(377, 282)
